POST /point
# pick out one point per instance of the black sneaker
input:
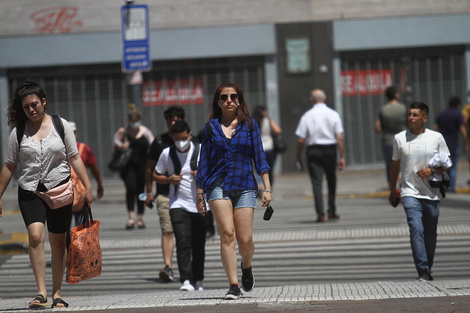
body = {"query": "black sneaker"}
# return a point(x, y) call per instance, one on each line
point(166, 274)
point(248, 279)
point(424, 275)
point(234, 292)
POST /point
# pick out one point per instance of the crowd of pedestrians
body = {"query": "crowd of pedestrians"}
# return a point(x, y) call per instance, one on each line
point(212, 178)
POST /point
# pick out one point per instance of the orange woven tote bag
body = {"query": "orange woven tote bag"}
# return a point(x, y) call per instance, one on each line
point(84, 255)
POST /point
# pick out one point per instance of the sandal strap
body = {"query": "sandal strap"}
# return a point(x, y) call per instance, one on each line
point(57, 301)
point(40, 298)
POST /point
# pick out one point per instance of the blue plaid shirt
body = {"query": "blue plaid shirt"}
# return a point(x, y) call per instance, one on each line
point(231, 158)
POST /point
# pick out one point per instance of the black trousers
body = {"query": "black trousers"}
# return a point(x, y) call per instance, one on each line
point(134, 180)
point(322, 159)
point(190, 233)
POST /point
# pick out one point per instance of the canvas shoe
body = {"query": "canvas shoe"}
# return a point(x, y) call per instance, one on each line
point(198, 285)
point(248, 279)
point(166, 274)
point(186, 286)
point(424, 275)
point(234, 292)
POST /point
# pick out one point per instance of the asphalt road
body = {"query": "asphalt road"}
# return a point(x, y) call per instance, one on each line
point(368, 243)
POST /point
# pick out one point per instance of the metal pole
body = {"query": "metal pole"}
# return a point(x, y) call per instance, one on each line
point(4, 99)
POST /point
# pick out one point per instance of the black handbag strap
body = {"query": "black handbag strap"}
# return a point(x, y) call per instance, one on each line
point(87, 216)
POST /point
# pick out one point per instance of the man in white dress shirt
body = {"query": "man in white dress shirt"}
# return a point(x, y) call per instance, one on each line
point(320, 128)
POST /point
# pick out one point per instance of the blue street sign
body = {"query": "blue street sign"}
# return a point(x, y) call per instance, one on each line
point(135, 38)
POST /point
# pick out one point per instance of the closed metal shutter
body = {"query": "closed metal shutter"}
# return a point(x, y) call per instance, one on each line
point(430, 75)
point(96, 97)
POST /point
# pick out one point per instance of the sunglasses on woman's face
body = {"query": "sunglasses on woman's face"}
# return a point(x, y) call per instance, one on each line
point(224, 97)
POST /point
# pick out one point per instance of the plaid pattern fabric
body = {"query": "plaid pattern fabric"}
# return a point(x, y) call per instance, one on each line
point(231, 158)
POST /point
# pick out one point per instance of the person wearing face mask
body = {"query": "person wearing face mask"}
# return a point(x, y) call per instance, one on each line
point(177, 166)
point(138, 138)
point(172, 114)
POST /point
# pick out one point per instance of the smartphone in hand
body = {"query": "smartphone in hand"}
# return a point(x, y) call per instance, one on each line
point(268, 213)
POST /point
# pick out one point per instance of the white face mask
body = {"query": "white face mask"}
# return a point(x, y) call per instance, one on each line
point(135, 125)
point(182, 145)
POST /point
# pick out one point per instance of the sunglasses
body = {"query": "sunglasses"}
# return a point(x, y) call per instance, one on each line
point(224, 98)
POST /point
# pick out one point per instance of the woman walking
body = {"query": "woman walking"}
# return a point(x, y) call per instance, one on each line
point(44, 160)
point(138, 138)
point(230, 141)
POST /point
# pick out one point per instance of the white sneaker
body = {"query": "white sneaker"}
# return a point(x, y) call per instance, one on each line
point(186, 286)
point(198, 286)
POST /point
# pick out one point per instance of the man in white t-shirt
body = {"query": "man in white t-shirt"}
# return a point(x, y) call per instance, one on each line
point(177, 166)
point(320, 128)
point(412, 149)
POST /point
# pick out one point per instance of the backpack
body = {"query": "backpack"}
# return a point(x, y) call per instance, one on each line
point(177, 163)
point(56, 121)
point(78, 187)
point(209, 127)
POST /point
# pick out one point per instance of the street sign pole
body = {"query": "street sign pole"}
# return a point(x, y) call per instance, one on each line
point(135, 38)
point(135, 47)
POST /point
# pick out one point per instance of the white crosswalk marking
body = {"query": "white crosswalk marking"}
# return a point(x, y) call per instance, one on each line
point(276, 263)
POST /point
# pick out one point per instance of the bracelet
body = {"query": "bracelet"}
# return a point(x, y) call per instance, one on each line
point(267, 191)
point(197, 199)
point(200, 193)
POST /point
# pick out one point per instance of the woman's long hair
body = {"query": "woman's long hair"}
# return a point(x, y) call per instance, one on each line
point(243, 113)
point(16, 113)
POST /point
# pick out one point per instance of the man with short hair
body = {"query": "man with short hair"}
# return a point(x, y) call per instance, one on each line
point(392, 120)
point(450, 123)
point(162, 141)
point(412, 150)
point(177, 167)
point(320, 128)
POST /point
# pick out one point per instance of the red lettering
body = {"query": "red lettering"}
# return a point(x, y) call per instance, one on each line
point(182, 92)
point(366, 82)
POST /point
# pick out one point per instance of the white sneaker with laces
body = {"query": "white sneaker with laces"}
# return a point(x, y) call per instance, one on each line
point(186, 286)
point(198, 286)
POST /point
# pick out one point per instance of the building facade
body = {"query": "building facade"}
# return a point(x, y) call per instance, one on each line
point(277, 51)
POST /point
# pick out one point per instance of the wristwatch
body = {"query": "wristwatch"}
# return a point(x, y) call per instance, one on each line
point(433, 170)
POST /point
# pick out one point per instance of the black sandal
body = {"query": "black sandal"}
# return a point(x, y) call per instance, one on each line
point(130, 224)
point(59, 301)
point(42, 302)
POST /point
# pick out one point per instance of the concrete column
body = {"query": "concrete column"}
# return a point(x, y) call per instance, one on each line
point(467, 66)
point(272, 98)
point(4, 100)
point(338, 99)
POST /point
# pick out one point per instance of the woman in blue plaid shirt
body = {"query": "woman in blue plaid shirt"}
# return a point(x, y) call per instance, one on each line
point(225, 175)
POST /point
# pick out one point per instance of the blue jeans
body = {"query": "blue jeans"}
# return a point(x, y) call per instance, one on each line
point(388, 152)
point(422, 216)
point(239, 198)
point(452, 171)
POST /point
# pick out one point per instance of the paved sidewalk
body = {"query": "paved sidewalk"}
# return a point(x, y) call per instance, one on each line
point(407, 296)
point(266, 299)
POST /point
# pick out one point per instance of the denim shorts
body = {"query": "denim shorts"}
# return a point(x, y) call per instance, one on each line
point(239, 198)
